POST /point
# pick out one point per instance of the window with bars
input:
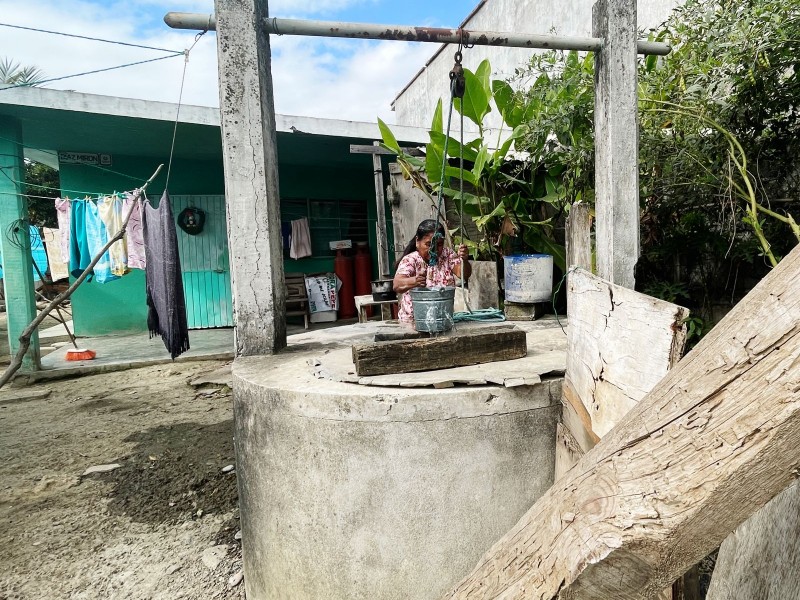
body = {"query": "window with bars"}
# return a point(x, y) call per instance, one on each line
point(328, 221)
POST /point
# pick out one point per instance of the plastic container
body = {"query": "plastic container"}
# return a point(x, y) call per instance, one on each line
point(433, 308)
point(528, 278)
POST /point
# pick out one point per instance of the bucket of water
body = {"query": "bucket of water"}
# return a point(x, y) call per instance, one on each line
point(433, 308)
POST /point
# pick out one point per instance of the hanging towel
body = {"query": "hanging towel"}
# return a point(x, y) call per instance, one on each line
point(63, 214)
point(79, 255)
point(134, 234)
point(301, 239)
point(97, 237)
point(166, 314)
point(59, 268)
point(110, 211)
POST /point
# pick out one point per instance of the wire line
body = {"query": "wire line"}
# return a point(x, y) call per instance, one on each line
point(83, 37)
point(141, 62)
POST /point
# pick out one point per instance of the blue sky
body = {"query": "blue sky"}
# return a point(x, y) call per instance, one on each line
point(348, 79)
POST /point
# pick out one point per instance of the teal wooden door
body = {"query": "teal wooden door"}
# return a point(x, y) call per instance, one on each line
point(205, 265)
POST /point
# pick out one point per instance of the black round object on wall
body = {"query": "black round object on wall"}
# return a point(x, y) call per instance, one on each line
point(192, 220)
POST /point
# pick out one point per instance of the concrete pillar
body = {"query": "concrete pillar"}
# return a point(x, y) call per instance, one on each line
point(249, 146)
point(15, 242)
point(616, 141)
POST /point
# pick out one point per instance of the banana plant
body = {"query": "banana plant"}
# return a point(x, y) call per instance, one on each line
point(504, 203)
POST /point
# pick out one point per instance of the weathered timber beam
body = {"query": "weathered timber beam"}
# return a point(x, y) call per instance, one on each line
point(455, 350)
point(713, 442)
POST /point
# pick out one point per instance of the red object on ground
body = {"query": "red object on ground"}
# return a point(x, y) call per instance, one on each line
point(78, 354)
point(343, 267)
point(363, 272)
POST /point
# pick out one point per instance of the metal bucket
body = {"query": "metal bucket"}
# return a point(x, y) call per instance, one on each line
point(433, 308)
point(528, 278)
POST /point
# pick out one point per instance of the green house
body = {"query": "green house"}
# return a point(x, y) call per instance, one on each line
point(102, 144)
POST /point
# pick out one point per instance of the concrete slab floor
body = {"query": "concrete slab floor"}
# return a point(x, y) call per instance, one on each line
point(116, 353)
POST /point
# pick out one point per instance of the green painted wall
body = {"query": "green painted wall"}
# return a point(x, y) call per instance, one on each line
point(119, 306)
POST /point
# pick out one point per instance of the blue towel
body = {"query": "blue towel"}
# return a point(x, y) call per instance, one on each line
point(97, 237)
point(79, 255)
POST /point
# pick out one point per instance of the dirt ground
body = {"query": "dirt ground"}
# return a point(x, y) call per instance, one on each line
point(162, 525)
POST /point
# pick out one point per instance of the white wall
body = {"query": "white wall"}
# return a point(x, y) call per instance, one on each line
point(415, 105)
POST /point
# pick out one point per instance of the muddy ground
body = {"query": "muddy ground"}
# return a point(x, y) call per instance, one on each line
point(160, 526)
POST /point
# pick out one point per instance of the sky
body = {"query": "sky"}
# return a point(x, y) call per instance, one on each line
point(320, 77)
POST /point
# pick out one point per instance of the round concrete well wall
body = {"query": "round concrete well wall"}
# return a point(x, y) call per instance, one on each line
point(356, 492)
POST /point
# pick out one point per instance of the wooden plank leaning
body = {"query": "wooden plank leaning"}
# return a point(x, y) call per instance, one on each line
point(712, 443)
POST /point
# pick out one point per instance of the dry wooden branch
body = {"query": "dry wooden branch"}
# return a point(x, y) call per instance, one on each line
point(25, 337)
point(712, 443)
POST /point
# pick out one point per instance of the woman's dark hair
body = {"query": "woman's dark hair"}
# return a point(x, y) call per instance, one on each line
point(427, 226)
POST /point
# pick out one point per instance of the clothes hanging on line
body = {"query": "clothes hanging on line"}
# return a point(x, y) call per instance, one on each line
point(97, 237)
point(86, 226)
point(63, 216)
point(134, 233)
point(59, 268)
point(166, 315)
point(110, 211)
point(79, 254)
point(301, 239)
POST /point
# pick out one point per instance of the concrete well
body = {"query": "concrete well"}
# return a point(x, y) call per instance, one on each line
point(351, 492)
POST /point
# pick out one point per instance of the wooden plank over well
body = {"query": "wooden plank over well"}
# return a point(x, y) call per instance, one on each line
point(713, 442)
point(621, 344)
point(457, 349)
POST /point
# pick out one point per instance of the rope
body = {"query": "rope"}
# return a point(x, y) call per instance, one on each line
point(483, 314)
point(180, 97)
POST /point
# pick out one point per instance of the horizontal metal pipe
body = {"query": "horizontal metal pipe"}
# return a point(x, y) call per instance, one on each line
point(413, 34)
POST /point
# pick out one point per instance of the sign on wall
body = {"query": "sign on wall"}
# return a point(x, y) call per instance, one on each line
point(84, 158)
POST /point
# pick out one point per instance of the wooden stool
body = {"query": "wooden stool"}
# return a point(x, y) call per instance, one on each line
point(362, 302)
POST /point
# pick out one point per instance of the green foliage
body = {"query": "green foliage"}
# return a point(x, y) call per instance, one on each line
point(510, 205)
point(720, 118)
point(12, 73)
point(41, 211)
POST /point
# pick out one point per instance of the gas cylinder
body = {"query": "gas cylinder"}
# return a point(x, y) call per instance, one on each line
point(343, 267)
point(363, 268)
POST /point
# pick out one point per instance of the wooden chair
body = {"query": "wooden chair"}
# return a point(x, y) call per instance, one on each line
point(296, 296)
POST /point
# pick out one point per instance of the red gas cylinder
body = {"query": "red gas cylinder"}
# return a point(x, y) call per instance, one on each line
point(343, 267)
point(363, 267)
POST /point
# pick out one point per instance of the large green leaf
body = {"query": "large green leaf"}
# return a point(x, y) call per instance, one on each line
point(453, 147)
point(475, 105)
point(480, 162)
point(506, 103)
point(433, 164)
point(388, 138)
point(436, 124)
point(483, 72)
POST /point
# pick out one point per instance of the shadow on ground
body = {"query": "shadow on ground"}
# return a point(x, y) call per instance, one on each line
point(175, 474)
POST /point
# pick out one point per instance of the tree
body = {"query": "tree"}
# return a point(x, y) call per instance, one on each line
point(42, 181)
point(12, 73)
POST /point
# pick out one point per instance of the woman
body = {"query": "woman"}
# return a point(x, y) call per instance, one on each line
point(414, 269)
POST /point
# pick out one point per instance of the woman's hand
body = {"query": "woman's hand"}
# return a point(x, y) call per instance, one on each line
point(403, 284)
point(463, 253)
point(463, 270)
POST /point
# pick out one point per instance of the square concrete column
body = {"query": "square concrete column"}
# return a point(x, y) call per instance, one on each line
point(15, 242)
point(250, 154)
point(616, 141)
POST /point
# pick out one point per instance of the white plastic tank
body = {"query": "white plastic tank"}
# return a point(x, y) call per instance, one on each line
point(528, 278)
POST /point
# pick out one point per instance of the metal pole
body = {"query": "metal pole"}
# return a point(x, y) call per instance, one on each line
point(371, 31)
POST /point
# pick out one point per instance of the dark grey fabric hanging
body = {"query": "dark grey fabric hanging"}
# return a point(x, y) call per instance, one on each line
point(166, 314)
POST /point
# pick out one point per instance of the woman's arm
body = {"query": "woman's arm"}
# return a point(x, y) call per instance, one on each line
point(404, 283)
point(464, 266)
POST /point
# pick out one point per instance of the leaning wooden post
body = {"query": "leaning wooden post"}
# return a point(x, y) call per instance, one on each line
point(250, 154)
point(579, 237)
point(712, 443)
point(616, 141)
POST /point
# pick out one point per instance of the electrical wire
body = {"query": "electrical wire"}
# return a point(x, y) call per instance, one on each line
point(133, 64)
point(91, 39)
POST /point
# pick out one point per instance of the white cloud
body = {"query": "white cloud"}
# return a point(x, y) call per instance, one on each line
point(346, 79)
